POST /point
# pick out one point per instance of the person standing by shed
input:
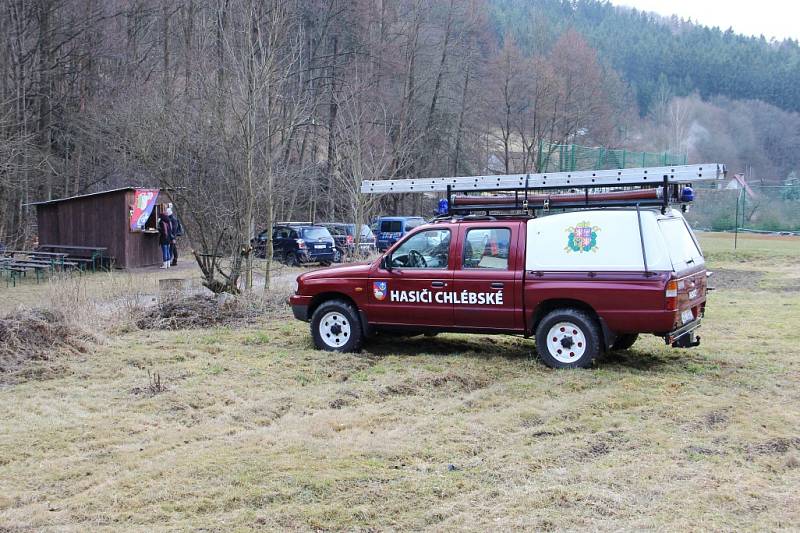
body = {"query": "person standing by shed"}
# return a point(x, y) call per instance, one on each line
point(165, 237)
point(177, 231)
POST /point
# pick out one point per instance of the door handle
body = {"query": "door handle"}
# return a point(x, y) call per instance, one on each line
point(497, 285)
point(437, 284)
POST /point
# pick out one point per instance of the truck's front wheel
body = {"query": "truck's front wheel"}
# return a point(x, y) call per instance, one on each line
point(335, 327)
point(567, 338)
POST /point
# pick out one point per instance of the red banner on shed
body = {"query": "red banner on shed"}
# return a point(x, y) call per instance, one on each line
point(144, 200)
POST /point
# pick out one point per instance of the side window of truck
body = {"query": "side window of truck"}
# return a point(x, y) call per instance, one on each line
point(426, 249)
point(487, 248)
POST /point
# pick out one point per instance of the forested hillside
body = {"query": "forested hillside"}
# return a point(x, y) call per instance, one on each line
point(257, 110)
point(656, 54)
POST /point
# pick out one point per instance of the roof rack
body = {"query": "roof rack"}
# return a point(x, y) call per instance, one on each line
point(655, 186)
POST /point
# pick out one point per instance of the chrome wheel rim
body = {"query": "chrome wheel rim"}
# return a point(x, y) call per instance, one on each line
point(334, 329)
point(566, 342)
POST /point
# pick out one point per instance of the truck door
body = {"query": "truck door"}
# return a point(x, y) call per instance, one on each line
point(487, 279)
point(413, 291)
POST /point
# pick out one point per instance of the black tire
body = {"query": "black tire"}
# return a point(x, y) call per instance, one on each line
point(575, 343)
point(336, 327)
point(624, 341)
point(292, 259)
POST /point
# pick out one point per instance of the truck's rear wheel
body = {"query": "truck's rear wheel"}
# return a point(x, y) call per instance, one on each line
point(335, 327)
point(624, 341)
point(567, 338)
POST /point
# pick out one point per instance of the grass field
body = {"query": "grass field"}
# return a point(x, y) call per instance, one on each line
point(255, 429)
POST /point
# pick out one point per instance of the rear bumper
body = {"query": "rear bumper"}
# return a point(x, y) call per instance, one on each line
point(681, 333)
point(314, 257)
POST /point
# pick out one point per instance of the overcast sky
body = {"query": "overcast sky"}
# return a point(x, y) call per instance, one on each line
point(774, 18)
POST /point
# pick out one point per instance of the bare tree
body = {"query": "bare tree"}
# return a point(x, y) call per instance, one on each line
point(365, 148)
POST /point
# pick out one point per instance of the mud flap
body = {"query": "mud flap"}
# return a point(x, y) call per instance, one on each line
point(609, 337)
point(367, 330)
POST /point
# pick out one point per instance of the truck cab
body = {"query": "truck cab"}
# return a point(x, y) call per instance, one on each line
point(579, 283)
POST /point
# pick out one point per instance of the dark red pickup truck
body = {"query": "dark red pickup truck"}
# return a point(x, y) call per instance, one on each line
point(579, 282)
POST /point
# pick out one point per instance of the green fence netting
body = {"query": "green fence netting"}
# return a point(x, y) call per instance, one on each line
point(570, 157)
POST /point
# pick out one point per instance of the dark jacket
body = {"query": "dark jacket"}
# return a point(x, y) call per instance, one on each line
point(177, 227)
point(165, 232)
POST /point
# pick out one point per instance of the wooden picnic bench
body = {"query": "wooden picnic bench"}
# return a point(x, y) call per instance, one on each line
point(47, 263)
point(55, 258)
point(19, 262)
point(60, 259)
point(15, 268)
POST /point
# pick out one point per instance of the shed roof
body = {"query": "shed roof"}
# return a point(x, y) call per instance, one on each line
point(80, 196)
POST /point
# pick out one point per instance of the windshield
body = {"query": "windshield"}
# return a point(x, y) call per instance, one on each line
point(315, 233)
point(683, 250)
point(337, 230)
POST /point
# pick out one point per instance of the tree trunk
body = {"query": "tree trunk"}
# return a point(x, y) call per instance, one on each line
point(460, 128)
point(332, 110)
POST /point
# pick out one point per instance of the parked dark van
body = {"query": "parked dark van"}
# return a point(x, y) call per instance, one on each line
point(391, 229)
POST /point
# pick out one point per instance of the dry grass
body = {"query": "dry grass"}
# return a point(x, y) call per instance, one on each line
point(31, 342)
point(252, 428)
point(206, 311)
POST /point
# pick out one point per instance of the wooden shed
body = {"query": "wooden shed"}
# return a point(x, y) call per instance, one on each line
point(121, 220)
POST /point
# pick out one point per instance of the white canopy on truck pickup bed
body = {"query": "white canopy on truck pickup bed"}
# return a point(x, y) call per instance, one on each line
point(610, 240)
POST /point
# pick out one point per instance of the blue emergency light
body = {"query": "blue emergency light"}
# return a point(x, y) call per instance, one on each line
point(443, 208)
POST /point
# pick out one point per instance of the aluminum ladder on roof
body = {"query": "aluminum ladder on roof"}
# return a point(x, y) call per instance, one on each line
point(624, 177)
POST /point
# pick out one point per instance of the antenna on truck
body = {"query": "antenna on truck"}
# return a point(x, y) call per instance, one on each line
point(648, 186)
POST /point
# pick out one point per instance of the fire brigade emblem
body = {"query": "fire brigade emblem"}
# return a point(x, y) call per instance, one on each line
point(582, 238)
point(379, 289)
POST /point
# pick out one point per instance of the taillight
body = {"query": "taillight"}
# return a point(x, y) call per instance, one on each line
point(671, 294)
point(301, 244)
point(349, 239)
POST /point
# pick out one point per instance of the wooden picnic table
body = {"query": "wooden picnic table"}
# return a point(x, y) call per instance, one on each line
point(71, 247)
point(53, 259)
point(95, 252)
point(35, 252)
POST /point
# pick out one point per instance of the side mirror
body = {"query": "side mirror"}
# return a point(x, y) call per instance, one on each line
point(386, 262)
